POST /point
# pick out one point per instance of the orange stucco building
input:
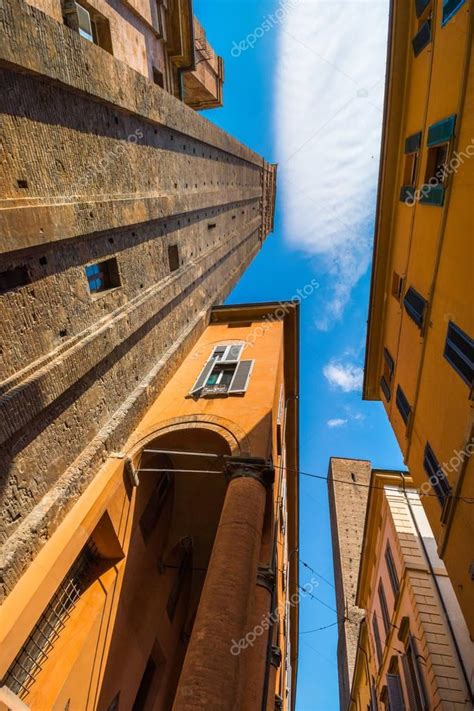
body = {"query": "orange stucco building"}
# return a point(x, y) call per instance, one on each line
point(420, 347)
point(414, 652)
point(172, 582)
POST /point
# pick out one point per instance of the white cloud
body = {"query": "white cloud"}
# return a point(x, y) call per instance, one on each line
point(329, 87)
point(337, 422)
point(345, 376)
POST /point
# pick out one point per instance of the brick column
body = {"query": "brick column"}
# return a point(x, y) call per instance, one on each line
point(256, 656)
point(211, 675)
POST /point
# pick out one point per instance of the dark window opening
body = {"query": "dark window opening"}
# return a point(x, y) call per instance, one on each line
point(436, 164)
point(23, 184)
point(13, 279)
point(145, 685)
point(397, 286)
point(450, 8)
point(422, 37)
point(387, 374)
point(173, 257)
point(394, 693)
point(158, 77)
point(378, 643)
point(436, 476)
point(415, 306)
point(384, 608)
point(392, 571)
point(211, 225)
point(103, 276)
point(459, 352)
point(403, 405)
point(414, 678)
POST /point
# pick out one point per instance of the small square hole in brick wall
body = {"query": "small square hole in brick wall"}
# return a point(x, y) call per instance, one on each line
point(14, 278)
point(103, 276)
point(22, 184)
point(173, 257)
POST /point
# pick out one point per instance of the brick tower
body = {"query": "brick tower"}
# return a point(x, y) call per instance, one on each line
point(347, 507)
point(126, 217)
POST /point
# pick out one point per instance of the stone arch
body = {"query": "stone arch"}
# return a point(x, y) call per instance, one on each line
point(234, 435)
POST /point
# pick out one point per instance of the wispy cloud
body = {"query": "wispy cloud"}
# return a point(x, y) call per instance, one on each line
point(336, 422)
point(344, 376)
point(329, 85)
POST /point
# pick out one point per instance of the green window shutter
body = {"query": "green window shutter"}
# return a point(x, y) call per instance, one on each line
point(420, 6)
point(450, 8)
point(413, 143)
point(422, 38)
point(442, 131)
point(241, 377)
point(432, 195)
point(407, 194)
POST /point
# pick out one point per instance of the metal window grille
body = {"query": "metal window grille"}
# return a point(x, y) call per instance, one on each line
point(35, 651)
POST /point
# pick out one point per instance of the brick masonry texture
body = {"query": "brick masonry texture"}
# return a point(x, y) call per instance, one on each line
point(347, 508)
point(114, 168)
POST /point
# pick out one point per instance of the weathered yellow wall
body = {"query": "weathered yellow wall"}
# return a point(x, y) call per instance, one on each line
point(432, 247)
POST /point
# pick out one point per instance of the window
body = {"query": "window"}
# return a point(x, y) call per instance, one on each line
point(13, 279)
point(436, 476)
point(403, 405)
point(459, 352)
point(392, 571)
point(415, 306)
point(422, 38)
point(384, 609)
point(158, 77)
point(154, 507)
point(414, 678)
point(378, 643)
point(438, 142)
point(412, 146)
point(450, 8)
point(397, 286)
point(387, 374)
point(394, 693)
point(145, 685)
point(31, 657)
point(103, 276)
point(173, 257)
point(224, 373)
point(89, 23)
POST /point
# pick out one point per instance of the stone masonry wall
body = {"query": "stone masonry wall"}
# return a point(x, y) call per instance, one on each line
point(78, 370)
point(347, 508)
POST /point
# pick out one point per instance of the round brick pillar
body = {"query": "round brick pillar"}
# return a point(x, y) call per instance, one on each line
point(211, 678)
point(256, 656)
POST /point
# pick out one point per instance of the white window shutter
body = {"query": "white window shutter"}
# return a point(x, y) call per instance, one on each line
point(241, 377)
point(233, 352)
point(203, 376)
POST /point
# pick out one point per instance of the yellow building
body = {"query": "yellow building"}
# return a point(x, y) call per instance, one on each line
point(172, 581)
point(419, 358)
point(414, 651)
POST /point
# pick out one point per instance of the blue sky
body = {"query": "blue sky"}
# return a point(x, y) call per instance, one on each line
point(308, 95)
